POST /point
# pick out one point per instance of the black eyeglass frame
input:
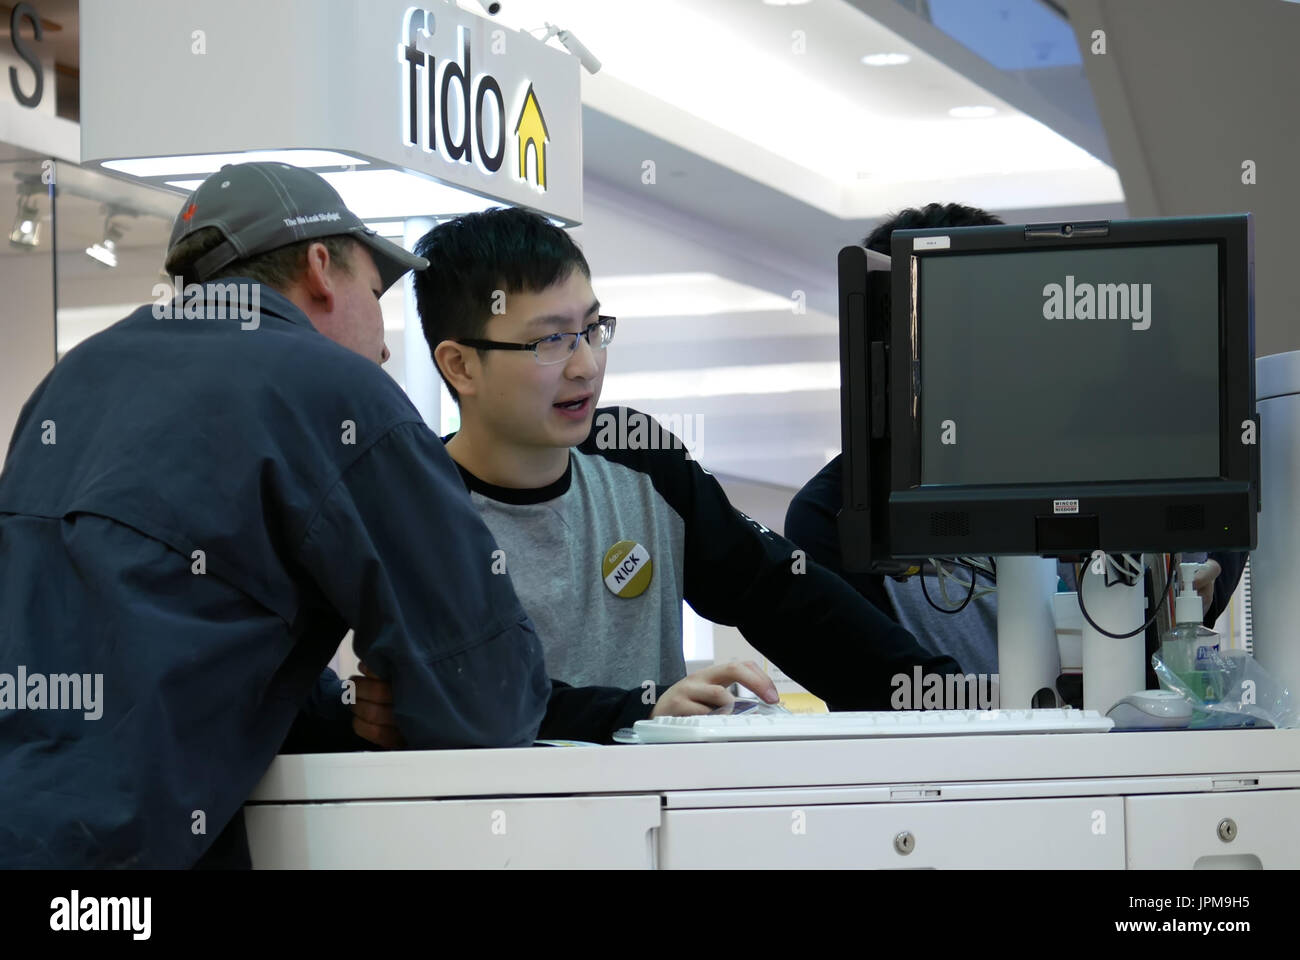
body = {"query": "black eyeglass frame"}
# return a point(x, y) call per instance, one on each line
point(601, 320)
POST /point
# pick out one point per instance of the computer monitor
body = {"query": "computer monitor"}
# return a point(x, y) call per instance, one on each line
point(1055, 389)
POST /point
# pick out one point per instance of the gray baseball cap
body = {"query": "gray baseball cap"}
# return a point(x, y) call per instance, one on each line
point(259, 207)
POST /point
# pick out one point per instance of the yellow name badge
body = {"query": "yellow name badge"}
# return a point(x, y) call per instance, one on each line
point(627, 569)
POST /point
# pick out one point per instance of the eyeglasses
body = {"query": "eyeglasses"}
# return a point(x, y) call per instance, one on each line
point(558, 347)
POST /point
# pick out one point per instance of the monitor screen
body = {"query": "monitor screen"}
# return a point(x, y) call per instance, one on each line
point(1069, 365)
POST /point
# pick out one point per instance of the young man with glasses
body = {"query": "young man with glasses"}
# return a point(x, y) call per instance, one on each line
point(604, 530)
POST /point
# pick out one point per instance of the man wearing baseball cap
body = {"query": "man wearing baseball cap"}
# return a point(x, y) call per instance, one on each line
point(196, 507)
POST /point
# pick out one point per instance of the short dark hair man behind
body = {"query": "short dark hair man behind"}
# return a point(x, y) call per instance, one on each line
point(196, 506)
point(931, 215)
point(810, 518)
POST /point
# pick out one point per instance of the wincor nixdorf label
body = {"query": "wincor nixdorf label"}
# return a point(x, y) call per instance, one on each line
point(1065, 506)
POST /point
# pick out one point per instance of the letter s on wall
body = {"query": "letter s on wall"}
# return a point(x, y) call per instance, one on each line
point(20, 12)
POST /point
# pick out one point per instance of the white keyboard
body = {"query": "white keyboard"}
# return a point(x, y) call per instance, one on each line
point(885, 723)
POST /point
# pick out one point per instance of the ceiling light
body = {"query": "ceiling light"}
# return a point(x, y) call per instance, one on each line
point(394, 194)
point(391, 194)
point(971, 113)
point(886, 59)
point(26, 232)
point(206, 163)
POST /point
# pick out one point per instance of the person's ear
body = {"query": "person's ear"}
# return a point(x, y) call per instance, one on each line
point(318, 281)
point(460, 365)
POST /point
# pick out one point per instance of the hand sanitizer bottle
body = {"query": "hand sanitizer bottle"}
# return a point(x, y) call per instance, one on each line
point(1188, 649)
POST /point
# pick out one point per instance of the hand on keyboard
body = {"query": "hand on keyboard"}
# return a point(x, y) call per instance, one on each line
point(705, 690)
point(744, 705)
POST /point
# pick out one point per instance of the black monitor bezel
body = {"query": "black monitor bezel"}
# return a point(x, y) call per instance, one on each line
point(1116, 507)
point(865, 318)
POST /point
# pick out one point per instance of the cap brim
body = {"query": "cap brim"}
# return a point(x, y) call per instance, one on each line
point(390, 260)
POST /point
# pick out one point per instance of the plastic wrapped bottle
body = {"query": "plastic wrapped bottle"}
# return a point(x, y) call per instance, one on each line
point(1190, 648)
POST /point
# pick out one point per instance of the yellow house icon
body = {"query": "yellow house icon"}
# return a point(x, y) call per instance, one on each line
point(531, 129)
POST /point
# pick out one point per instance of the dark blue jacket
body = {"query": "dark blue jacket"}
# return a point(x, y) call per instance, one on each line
point(196, 513)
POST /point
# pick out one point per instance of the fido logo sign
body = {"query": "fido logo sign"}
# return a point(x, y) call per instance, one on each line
point(468, 125)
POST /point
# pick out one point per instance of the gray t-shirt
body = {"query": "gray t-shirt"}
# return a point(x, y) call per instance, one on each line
point(603, 558)
point(555, 539)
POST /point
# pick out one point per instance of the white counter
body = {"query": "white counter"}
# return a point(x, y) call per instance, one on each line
point(1164, 799)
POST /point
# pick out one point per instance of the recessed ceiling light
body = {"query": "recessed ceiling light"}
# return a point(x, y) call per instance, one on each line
point(971, 113)
point(886, 59)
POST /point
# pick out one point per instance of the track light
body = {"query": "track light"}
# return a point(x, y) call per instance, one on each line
point(26, 232)
point(105, 251)
point(574, 46)
point(491, 6)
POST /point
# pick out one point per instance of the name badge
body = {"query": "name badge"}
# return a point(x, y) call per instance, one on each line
point(627, 569)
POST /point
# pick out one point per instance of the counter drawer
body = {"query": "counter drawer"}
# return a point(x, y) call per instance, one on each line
point(1182, 831)
point(520, 833)
point(1075, 833)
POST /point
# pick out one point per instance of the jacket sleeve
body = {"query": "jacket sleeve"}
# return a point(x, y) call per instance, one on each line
point(592, 713)
point(399, 550)
point(1231, 564)
point(811, 524)
point(816, 627)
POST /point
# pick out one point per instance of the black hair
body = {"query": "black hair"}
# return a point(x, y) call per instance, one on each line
point(477, 260)
point(931, 215)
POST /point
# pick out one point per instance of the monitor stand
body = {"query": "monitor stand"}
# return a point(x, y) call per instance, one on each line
point(1112, 669)
point(1029, 659)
